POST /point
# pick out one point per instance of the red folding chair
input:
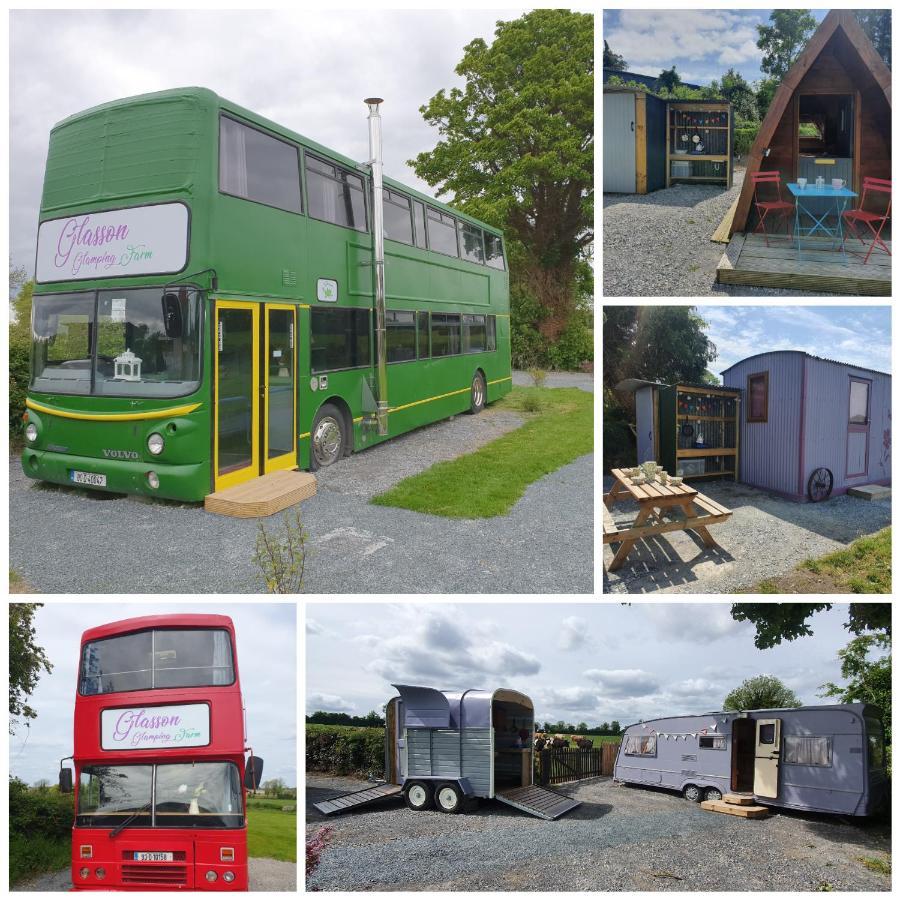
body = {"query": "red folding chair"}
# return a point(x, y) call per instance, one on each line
point(777, 208)
point(869, 217)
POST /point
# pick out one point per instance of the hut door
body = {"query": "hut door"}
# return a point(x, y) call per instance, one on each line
point(858, 428)
point(391, 750)
point(768, 752)
point(645, 415)
point(619, 143)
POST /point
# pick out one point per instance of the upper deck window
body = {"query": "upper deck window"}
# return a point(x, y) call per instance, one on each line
point(257, 166)
point(397, 217)
point(335, 194)
point(493, 251)
point(442, 232)
point(163, 658)
point(419, 215)
point(470, 243)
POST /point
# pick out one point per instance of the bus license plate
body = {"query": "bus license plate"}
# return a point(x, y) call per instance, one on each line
point(87, 478)
point(146, 856)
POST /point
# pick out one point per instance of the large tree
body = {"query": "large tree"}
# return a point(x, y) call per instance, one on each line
point(27, 660)
point(668, 79)
point(735, 89)
point(761, 692)
point(516, 148)
point(783, 40)
point(777, 622)
point(613, 60)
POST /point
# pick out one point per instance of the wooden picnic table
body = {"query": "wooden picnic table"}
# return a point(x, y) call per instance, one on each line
point(656, 502)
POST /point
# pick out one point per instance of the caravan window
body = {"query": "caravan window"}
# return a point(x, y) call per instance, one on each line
point(806, 751)
point(758, 397)
point(767, 734)
point(640, 745)
point(875, 735)
point(712, 742)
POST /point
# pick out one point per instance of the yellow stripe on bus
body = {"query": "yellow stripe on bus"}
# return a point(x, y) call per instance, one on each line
point(114, 417)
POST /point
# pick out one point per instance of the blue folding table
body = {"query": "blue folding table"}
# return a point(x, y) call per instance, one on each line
point(839, 196)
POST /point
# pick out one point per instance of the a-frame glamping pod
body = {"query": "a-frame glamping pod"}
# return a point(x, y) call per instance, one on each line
point(831, 116)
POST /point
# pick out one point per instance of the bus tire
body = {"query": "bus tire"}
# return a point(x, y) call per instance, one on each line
point(417, 795)
point(479, 394)
point(328, 437)
point(448, 798)
point(693, 793)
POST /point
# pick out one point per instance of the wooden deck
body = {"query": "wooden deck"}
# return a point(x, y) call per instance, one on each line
point(262, 496)
point(747, 260)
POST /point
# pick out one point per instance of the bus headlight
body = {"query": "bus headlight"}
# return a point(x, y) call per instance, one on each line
point(84, 872)
point(228, 876)
point(211, 876)
point(153, 480)
point(100, 873)
point(155, 443)
point(31, 432)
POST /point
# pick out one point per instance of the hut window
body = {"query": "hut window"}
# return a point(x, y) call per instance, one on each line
point(712, 742)
point(807, 751)
point(758, 394)
point(859, 402)
point(640, 745)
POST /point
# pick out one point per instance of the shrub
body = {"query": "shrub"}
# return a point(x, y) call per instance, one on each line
point(744, 138)
point(19, 376)
point(576, 343)
point(40, 828)
point(345, 751)
point(282, 557)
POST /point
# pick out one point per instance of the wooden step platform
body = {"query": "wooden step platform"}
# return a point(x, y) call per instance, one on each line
point(733, 809)
point(739, 799)
point(870, 492)
point(747, 260)
point(262, 496)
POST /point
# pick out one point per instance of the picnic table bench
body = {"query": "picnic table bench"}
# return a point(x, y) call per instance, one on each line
point(656, 504)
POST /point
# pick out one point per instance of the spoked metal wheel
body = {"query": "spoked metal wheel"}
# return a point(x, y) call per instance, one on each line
point(712, 794)
point(327, 437)
point(692, 792)
point(820, 484)
point(479, 393)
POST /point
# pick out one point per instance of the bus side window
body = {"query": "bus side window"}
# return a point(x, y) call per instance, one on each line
point(422, 330)
point(397, 218)
point(335, 195)
point(442, 233)
point(491, 333)
point(444, 334)
point(470, 242)
point(401, 335)
point(419, 213)
point(339, 339)
point(493, 251)
point(474, 336)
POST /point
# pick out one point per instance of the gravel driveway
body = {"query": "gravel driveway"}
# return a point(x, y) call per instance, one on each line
point(619, 839)
point(66, 540)
point(766, 536)
point(265, 875)
point(658, 244)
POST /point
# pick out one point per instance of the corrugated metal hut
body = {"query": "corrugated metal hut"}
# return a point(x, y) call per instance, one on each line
point(634, 141)
point(841, 87)
point(811, 427)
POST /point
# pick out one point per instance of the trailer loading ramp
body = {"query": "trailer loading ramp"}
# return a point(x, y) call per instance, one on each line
point(357, 799)
point(538, 801)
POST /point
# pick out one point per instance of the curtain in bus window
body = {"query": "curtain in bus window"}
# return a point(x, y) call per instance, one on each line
point(233, 158)
point(419, 213)
point(474, 334)
point(491, 333)
point(444, 334)
point(806, 751)
point(335, 195)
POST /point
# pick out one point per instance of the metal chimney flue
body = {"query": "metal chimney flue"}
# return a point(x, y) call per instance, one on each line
point(377, 165)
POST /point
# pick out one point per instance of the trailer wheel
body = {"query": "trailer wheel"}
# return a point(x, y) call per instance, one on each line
point(712, 794)
point(693, 793)
point(479, 393)
point(417, 795)
point(448, 798)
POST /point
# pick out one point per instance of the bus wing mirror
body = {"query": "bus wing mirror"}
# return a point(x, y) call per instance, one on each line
point(65, 781)
point(171, 310)
point(253, 773)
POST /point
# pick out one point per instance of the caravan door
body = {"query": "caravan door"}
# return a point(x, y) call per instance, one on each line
point(768, 754)
point(394, 749)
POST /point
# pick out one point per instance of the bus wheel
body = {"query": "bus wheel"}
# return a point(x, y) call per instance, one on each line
point(479, 393)
point(712, 794)
point(327, 437)
point(417, 795)
point(693, 793)
point(448, 798)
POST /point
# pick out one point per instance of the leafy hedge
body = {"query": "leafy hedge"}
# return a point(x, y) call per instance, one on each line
point(343, 750)
point(744, 138)
point(40, 829)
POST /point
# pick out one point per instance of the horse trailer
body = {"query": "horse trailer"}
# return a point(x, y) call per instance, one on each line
point(827, 759)
point(445, 750)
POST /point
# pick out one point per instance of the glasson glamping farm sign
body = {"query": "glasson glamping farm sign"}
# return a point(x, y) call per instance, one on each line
point(141, 240)
point(154, 727)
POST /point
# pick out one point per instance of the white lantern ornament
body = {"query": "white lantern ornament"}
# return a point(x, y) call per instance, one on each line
point(128, 367)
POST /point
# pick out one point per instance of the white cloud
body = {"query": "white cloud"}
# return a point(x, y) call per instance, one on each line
point(623, 682)
point(327, 703)
point(573, 633)
point(694, 623)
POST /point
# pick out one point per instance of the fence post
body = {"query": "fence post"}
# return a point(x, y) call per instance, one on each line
point(545, 767)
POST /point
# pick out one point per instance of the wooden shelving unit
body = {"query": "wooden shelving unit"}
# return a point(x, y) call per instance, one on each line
point(708, 125)
point(714, 414)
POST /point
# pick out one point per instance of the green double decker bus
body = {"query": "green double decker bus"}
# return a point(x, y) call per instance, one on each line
point(218, 298)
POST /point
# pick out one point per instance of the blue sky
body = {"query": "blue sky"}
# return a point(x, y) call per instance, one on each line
point(853, 334)
point(588, 662)
point(267, 661)
point(702, 44)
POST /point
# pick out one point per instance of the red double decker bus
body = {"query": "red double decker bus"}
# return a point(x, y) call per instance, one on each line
point(161, 766)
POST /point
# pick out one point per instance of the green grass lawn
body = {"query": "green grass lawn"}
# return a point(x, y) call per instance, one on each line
point(559, 428)
point(863, 568)
point(272, 833)
point(33, 854)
